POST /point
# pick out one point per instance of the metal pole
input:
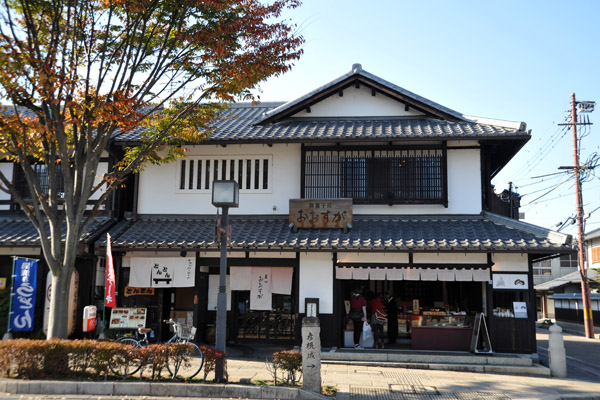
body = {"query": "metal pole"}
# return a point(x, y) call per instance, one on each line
point(222, 300)
point(585, 288)
point(8, 335)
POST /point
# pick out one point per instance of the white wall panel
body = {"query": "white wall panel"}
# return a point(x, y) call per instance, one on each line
point(159, 194)
point(504, 262)
point(388, 257)
point(449, 258)
point(357, 103)
point(316, 280)
point(7, 170)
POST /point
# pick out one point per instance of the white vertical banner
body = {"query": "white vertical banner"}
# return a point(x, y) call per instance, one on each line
point(240, 278)
point(282, 280)
point(260, 289)
point(162, 273)
point(185, 272)
point(140, 274)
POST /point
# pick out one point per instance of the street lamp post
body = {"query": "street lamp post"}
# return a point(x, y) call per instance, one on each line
point(225, 194)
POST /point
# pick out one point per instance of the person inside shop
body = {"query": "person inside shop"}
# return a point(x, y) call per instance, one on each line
point(392, 317)
point(358, 314)
point(378, 319)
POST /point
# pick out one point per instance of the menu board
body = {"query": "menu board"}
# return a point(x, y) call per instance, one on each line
point(127, 318)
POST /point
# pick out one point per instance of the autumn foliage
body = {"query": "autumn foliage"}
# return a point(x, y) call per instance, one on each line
point(75, 74)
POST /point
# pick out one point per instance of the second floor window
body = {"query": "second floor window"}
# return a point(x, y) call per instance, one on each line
point(569, 261)
point(252, 173)
point(41, 172)
point(376, 176)
point(543, 267)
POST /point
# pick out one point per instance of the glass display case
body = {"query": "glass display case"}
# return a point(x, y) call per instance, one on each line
point(442, 321)
point(442, 332)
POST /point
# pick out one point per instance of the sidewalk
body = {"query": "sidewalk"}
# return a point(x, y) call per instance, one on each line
point(353, 382)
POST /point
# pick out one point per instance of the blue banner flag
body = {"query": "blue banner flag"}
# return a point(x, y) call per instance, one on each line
point(24, 288)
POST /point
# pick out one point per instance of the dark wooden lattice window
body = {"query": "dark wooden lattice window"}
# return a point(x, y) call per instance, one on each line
point(375, 175)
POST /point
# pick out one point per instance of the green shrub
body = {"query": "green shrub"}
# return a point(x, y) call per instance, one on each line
point(290, 363)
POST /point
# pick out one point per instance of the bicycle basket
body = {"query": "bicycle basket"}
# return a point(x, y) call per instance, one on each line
point(185, 331)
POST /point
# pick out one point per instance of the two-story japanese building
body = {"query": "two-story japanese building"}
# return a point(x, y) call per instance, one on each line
point(357, 183)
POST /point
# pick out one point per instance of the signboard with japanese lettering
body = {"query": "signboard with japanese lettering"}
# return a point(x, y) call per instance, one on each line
point(138, 291)
point(260, 289)
point(25, 283)
point(162, 272)
point(321, 213)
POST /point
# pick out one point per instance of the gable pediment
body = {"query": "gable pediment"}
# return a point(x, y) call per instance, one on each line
point(358, 101)
point(360, 94)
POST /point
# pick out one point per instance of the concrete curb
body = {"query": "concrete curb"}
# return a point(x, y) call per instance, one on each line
point(533, 370)
point(161, 389)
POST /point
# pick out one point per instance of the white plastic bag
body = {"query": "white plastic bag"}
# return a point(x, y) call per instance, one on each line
point(366, 338)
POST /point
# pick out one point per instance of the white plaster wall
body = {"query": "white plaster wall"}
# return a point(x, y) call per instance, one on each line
point(281, 254)
point(102, 169)
point(158, 192)
point(464, 189)
point(7, 170)
point(373, 257)
point(316, 280)
point(504, 262)
point(449, 258)
point(358, 103)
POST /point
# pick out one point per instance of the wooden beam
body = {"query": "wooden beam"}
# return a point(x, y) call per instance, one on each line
point(308, 109)
point(373, 92)
point(406, 107)
point(341, 93)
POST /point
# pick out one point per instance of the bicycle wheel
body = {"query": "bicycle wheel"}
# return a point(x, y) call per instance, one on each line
point(125, 363)
point(185, 360)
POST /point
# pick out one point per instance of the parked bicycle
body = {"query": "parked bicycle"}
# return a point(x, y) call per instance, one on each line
point(185, 366)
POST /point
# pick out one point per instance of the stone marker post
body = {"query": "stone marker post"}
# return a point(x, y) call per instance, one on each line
point(311, 354)
point(557, 358)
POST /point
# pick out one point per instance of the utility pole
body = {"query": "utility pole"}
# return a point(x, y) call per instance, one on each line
point(585, 288)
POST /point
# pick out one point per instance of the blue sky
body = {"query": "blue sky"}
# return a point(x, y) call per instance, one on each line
point(512, 60)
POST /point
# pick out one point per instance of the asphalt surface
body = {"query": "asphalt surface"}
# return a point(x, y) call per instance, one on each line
point(583, 355)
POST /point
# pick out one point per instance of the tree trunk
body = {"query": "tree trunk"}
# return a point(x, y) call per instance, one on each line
point(58, 321)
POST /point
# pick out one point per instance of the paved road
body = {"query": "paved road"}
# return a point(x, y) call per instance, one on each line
point(583, 355)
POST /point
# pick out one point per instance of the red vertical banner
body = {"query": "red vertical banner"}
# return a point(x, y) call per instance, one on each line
point(109, 293)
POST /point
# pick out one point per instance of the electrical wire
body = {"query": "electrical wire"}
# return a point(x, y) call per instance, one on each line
point(543, 152)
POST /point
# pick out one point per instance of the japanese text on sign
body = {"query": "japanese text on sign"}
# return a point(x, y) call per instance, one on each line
point(330, 213)
point(24, 295)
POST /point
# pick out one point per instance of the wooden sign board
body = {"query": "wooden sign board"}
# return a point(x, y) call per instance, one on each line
point(321, 213)
point(138, 291)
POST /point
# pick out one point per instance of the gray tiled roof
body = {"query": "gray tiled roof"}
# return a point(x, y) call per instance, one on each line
point(573, 277)
point(238, 125)
point(488, 232)
point(16, 230)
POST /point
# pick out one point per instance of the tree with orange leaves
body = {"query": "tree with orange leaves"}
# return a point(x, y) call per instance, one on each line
point(76, 72)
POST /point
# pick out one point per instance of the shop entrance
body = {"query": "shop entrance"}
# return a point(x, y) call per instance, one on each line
point(431, 304)
point(275, 325)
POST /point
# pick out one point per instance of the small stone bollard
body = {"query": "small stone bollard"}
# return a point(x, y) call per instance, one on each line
point(557, 358)
point(311, 354)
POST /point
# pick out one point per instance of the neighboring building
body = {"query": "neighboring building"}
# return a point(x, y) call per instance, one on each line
point(19, 238)
point(548, 270)
point(422, 222)
point(563, 294)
